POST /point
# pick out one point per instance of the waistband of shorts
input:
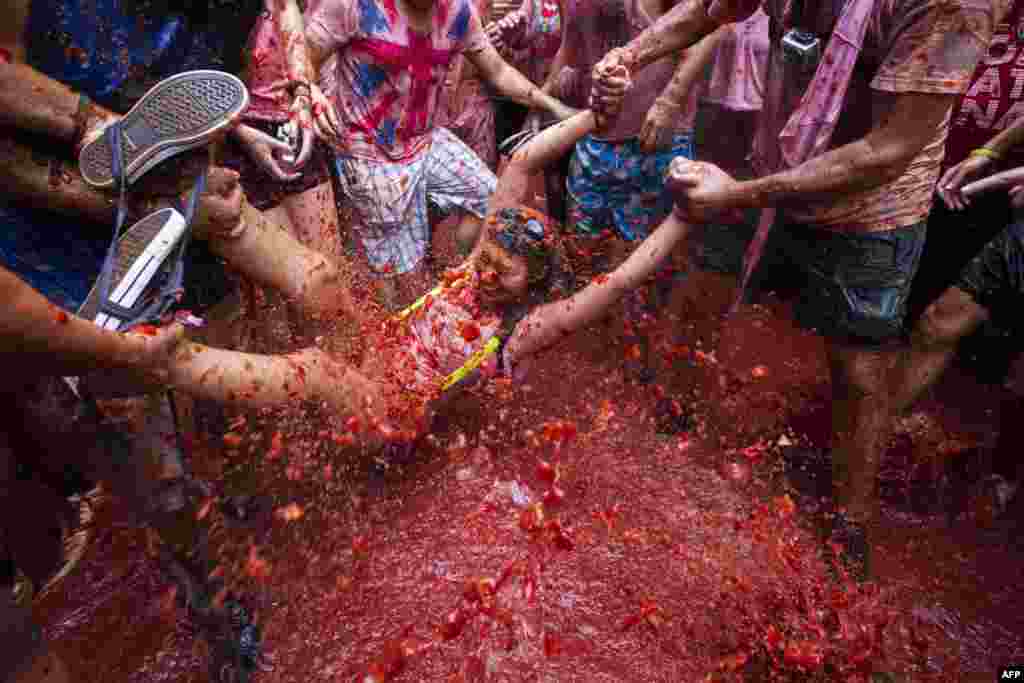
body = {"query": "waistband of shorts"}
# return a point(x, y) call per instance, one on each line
point(680, 138)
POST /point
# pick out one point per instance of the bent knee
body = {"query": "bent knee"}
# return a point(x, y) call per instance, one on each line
point(947, 320)
point(861, 375)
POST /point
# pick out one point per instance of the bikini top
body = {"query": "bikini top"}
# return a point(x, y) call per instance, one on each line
point(494, 346)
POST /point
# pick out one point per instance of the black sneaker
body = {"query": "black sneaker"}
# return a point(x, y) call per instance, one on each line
point(180, 113)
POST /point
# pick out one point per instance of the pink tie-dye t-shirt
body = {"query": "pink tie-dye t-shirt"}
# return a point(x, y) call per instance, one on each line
point(910, 46)
point(389, 76)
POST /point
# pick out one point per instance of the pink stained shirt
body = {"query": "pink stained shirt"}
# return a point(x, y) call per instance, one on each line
point(267, 72)
point(388, 77)
point(740, 62)
point(466, 108)
point(592, 28)
point(909, 46)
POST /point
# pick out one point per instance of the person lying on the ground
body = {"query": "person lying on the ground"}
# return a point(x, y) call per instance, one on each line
point(507, 302)
point(848, 148)
point(391, 61)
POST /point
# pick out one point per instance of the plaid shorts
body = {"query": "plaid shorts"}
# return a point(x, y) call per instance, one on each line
point(390, 199)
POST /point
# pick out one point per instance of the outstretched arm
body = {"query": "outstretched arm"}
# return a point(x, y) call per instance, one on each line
point(507, 80)
point(549, 323)
point(682, 26)
point(547, 147)
point(37, 338)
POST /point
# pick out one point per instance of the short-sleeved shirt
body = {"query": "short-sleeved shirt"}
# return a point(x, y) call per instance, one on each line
point(994, 99)
point(388, 75)
point(741, 59)
point(910, 46)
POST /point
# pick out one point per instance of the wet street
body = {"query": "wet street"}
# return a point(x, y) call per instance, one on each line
point(653, 557)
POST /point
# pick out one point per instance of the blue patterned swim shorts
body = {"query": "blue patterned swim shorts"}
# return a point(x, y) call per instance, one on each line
point(615, 186)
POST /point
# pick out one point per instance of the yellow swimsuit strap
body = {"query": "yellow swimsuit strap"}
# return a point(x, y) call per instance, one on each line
point(474, 361)
point(418, 304)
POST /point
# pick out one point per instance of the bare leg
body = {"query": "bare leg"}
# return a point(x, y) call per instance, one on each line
point(39, 179)
point(312, 218)
point(933, 341)
point(270, 256)
point(257, 381)
point(23, 658)
point(861, 420)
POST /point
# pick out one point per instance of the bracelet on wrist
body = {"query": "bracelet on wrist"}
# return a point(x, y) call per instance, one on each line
point(986, 152)
point(81, 120)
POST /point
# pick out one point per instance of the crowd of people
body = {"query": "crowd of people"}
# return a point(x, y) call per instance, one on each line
point(323, 154)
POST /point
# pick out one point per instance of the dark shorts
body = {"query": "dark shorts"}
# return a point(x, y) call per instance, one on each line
point(850, 287)
point(995, 276)
point(264, 191)
point(954, 238)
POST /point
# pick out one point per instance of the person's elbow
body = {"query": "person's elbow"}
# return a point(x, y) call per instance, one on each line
point(519, 164)
point(887, 159)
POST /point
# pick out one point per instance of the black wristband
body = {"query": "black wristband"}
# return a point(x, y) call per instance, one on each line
point(81, 119)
